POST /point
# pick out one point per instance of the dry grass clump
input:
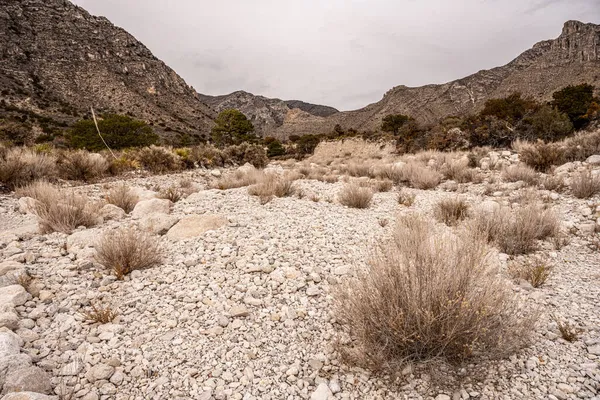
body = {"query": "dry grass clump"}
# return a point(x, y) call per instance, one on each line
point(358, 170)
point(520, 172)
point(19, 166)
point(81, 165)
point(419, 177)
point(125, 250)
point(60, 210)
point(382, 186)
point(272, 186)
point(459, 171)
point(387, 171)
point(555, 183)
point(540, 156)
point(406, 198)
point(568, 332)
point(171, 193)
point(158, 159)
point(239, 178)
point(100, 313)
point(451, 211)
point(585, 185)
point(535, 271)
point(355, 196)
point(429, 296)
point(516, 231)
point(122, 196)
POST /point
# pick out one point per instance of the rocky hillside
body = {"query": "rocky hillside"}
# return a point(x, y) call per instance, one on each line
point(266, 114)
point(572, 58)
point(57, 60)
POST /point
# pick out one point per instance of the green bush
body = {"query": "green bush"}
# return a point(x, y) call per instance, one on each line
point(274, 147)
point(119, 131)
point(232, 127)
point(158, 159)
point(393, 123)
point(307, 144)
point(247, 153)
point(546, 123)
point(511, 108)
point(575, 101)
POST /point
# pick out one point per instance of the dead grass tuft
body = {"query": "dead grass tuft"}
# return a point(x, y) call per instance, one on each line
point(520, 172)
point(19, 166)
point(125, 250)
point(451, 211)
point(122, 196)
point(81, 165)
point(171, 193)
point(554, 183)
point(355, 196)
point(429, 296)
point(585, 185)
point(535, 271)
point(420, 177)
point(568, 332)
point(239, 179)
point(270, 186)
point(406, 198)
point(99, 313)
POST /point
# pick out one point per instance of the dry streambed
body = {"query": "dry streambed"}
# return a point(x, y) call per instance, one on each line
point(241, 306)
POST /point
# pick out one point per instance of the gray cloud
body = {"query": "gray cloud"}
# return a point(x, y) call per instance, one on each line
point(343, 53)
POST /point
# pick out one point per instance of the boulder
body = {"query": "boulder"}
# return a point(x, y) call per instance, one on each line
point(8, 266)
point(27, 379)
point(158, 223)
point(147, 207)
point(195, 225)
point(9, 320)
point(112, 212)
point(489, 206)
point(322, 392)
point(142, 193)
point(15, 294)
point(10, 343)
point(99, 372)
point(594, 160)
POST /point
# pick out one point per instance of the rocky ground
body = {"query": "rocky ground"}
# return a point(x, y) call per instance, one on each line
point(241, 306)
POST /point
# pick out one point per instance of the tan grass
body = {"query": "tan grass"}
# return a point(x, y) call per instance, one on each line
point(429, 296)
point(100, 313)
point(585, 185)
point(406, 198)
point(555, 183)
point(420, 177)
point(171, 193)
point(535, 271)
point(81, 165)
point(122, 196)
point(451, 210)
point(125, 250)
point(19, 166)
point(271, 185)
point(520, 172)
point(382, 185)
point(355, 196)
point(239, 179)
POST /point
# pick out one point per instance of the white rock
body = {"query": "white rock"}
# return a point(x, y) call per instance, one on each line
point(112, 212)
point(99, 372)
point(147, 207)
point(9, 320)
point(594, 160)
point(158, 223)
point(8, 266)
point(322, 393)
point(15, 294)
point(28, 396)
point(195, 225)
point(27, 205)
point(10, 343)
point(239, 311)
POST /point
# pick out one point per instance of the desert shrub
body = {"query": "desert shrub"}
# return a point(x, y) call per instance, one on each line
point(420, 177)
point(208, 156)
point(81, 165)
point(451, 211)
point(545, 123)
point(171, 193)
point(239, 179)
point(393, 122)
point(122, 196)
point(540, 156)
point(247, 153)
point(568, 331)
point(158, 159)
point(20, 166)
point(428, 295)
point(355, 196)
point(61, 211)
point(575, 101)
point(520, 172)
point(382, 186)
point(459, 171)
point(581, 145)
point(387, 171)
point(358, 169)
point(516, 231)
point(511, 108)
point(126, 250)
point(585, 185)
point(274, 147)
point(555, 183)
point(534, 271)
point(122, 164)
point(119, 131)
point(271, 185)
point(406, 198)
point(100, 313)
point(306, 144)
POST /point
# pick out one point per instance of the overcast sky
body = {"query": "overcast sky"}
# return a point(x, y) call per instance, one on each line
point(343, 53)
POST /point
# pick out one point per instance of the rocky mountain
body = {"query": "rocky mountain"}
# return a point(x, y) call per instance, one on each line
point(57, 60)
point(266, 114)
point(572, 58)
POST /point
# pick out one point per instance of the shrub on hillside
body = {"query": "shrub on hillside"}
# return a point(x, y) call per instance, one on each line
point(247, 153)
point(540, 156)
point(451, 211)
point(127, 250)
point(119, 131)
point(428, 295)
point(545, 123)
point(232, 127)
point(419, 177)
point(585, 185)
point(81, 165)
point(306, 144)
point(271, 185)
point(520, 172)
point(575, 101)
point(19, 166)
point(511, 108)
point(274, 147)
point(122, 196)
